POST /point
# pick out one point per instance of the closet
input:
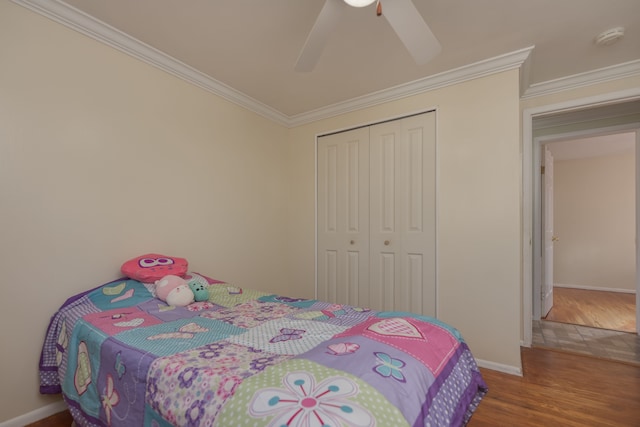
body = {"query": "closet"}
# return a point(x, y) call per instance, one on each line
point(376, 236)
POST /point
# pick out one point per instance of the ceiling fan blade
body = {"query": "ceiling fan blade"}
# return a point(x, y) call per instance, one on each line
point(416, 35)
point(324, 25)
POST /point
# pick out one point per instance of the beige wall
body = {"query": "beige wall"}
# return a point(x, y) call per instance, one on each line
point(594, 217)
point(102, 158)
point(478, 207)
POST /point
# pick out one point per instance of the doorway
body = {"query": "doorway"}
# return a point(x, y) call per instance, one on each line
point(586, 114)
point(588, 205)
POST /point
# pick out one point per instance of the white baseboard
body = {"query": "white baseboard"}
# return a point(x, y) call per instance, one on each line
point(35, 415)
point(507, 369)
point(594, 288)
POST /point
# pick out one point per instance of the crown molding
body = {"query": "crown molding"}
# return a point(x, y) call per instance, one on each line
point(614, 72)
point(79, 21)
point(476, 70)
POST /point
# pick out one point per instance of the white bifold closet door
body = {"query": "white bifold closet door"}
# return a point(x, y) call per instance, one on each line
point(376, 216)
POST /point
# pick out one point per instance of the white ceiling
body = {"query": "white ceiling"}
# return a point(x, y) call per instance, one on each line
point(251, 46)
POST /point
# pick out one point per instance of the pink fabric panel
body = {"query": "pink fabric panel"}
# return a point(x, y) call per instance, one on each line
point(429, 343)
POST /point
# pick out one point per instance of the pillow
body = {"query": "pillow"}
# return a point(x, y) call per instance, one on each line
point(151, 267)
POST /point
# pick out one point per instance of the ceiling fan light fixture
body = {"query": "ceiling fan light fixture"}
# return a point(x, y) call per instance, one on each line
point(359, 3)
point(610, 36)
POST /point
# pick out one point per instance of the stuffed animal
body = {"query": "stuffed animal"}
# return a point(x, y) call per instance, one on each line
point(174, 291)
point(200, 292)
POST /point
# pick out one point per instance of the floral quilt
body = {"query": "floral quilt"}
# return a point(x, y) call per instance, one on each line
point(122, 357)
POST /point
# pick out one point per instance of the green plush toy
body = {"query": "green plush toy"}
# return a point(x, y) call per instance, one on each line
point(200, 292)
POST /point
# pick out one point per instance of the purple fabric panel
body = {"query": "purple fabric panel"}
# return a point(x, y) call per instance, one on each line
point(80, 418)
point(50, 389)
point(73, 309)
point(126, 368)
point(459, 382)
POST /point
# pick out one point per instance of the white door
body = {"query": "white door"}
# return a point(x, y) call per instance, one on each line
point(549, 238)
point(343, 216)
point(402, 209)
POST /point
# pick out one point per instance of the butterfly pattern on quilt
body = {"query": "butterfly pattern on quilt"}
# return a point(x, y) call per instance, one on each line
point(389, 367)
point(110, 398)
point(342, 348)
point(287, 334)
point(187, 331)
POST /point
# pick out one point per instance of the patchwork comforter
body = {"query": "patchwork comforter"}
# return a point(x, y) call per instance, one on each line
point(122, 357)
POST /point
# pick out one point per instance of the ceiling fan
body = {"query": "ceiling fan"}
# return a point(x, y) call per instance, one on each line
point(402, 15)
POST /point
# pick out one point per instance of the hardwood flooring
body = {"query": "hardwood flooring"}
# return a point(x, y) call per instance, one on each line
point(561, 389)
point(557, 389)
point(598, 309)
point(61, 419)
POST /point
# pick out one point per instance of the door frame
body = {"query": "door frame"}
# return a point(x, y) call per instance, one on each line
point(538, 244)
point(547, 242)
point(528, 150)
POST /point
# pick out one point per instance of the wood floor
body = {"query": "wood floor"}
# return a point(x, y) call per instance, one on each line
point(597, 309)
point(561, 389)
point(61, 419)
point(557, 389)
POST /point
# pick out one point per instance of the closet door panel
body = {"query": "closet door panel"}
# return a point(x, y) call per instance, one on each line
point(384, 238)
point(343, 224)
point(413, 297)
point(329, 274)
point(417, 204)
point(403, 214)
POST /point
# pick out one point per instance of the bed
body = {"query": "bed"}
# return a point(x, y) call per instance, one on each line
point(120, 356)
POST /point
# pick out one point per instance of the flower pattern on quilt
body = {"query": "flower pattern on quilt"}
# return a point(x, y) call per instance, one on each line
point(187, 376)
point(190, 388)
point(262, 362)
point(303, 403)
point(200, 306)
point(212, 350)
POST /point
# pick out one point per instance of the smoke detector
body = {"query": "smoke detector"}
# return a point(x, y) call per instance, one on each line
point(610, 36)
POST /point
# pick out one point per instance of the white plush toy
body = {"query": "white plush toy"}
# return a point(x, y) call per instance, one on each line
point(174, 290)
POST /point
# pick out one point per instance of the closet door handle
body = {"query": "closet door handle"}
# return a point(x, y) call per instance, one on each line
point(352, 242)
point(387, 243)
